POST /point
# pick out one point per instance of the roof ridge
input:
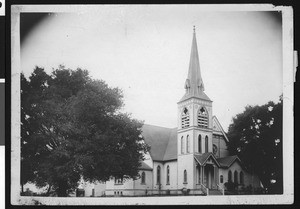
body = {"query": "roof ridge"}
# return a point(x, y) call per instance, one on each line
point(159, 126)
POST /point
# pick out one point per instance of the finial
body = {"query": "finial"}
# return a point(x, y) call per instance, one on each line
point(194, 29)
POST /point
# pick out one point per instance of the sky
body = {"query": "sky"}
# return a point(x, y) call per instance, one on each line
point(145, 51)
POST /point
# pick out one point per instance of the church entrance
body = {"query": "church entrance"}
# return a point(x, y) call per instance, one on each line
point(209, 176)
point(207, 173)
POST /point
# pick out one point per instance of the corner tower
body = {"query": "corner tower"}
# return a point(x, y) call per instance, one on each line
point(194, 133)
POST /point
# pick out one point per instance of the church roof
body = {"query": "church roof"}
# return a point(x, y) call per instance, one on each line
point(217, 128)
point(194, 84)
point(226, 162)
point(144, 166)
point(163, 142)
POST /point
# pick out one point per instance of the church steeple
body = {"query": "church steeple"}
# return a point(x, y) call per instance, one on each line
point(194, 84)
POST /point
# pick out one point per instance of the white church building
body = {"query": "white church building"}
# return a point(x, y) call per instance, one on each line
point(192, 158)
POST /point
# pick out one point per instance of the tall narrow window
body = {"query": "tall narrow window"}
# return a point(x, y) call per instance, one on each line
point(206, 143)
point(143, 178)
point(158, 175)
point(188, 144)
point(202, 118)
point(236, 181)
point(199, 143)
point(168, 174)
point(184, 177)
point(182, 145)
point(241, 177)
point(221, 179)
point(229, 176)
point(185, 118)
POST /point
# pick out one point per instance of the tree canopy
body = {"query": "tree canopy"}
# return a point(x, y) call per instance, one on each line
point(256, 137)
point(72, 127)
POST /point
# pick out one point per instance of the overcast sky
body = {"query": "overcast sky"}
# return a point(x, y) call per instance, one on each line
point(145, 51)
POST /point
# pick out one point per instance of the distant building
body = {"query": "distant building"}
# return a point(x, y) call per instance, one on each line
point(191, 158)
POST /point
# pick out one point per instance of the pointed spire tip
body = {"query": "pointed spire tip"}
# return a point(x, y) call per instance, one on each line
point(194, 29)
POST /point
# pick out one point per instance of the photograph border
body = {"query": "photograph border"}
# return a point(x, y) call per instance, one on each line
point(288, 120)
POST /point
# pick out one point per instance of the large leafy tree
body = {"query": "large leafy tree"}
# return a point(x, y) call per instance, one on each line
point(256, 137)
point(72, 127)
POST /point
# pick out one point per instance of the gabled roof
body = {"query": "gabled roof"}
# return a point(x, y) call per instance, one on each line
point(219, 128)
point(144, 166)
point(163, 142)
point(226, 162)
point(200, 95)
point(202, 158)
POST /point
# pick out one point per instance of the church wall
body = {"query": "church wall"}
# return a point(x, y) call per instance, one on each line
point(162, 174)
point(173, 175)
point(139, 187)
point(216, 141)
point(100, 189)
point(223, 148)
point(248, 178)
point(186, 162)
point(113, 189)
point(203, 135)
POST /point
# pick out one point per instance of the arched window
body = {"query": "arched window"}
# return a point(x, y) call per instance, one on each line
point(187, 144)
point(199, 143)
point(184, 177)
point(221, 179)
point(236, 181)
point(241, 177)
point(206, 143)
point(182, 145)
point(202, 118)
point(158, 175)
point(185, 118)
point(143, 178)
point(168, 174)
point(229, 176)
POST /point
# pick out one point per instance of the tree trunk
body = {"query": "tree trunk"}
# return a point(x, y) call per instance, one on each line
point(48, 191)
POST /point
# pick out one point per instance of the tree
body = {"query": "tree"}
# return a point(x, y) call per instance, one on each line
point(256, 137)
point(72, 127)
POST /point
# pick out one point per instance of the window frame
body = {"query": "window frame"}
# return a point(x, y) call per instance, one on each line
point(182, 145)
point(158, 176)
point(221, 179)
point(206, 143)
point(185, 118)
point(199, 143)
point(143, 179)
point(235, 177)
point(187, 144)
point(168, 175)
point(185, 176)
point(202, 118)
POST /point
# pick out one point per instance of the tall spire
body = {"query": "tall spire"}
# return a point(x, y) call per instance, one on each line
point(194, 85)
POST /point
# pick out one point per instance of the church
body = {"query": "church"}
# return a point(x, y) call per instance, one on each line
point(190, 159)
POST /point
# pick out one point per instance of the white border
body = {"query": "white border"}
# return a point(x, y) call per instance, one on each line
point(288, 144)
